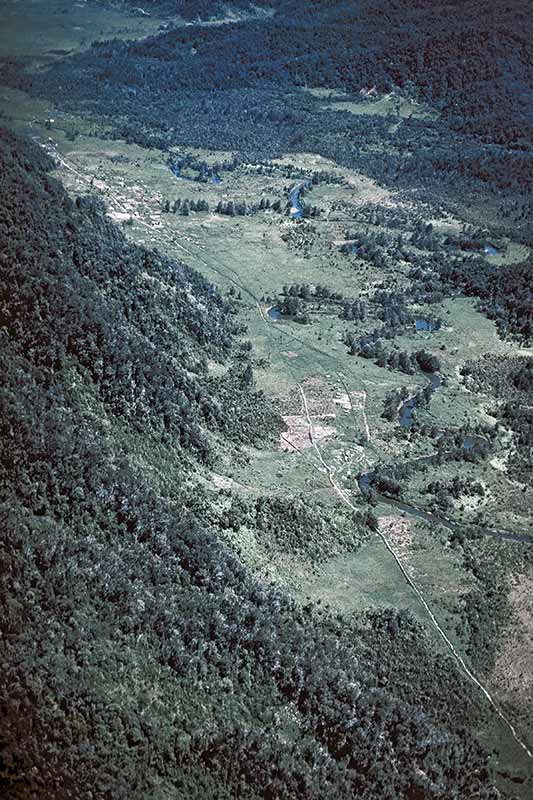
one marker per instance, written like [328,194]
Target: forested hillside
[139,657]
[197,9]
[84,303]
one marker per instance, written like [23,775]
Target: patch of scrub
[397,531]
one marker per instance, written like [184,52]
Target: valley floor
[331,401]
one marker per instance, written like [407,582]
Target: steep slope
[136,328]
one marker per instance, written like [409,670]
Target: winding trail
[365,420]
[363,395]
[467,671]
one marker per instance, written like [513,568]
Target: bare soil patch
[298,435]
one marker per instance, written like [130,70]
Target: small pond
[274,314]
[429,325]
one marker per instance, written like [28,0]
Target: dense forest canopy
[197,9]
[351,46]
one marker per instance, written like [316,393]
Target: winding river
[406,420]
[294,199]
